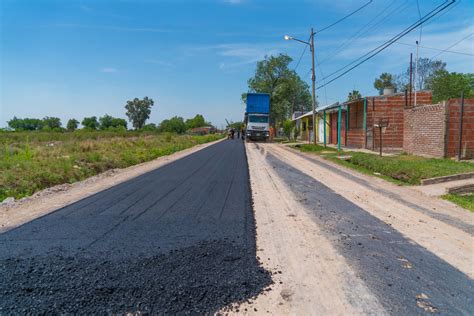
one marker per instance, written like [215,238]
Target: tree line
[137,110]
[432,75]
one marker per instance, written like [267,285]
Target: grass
[465,200]
[32,161]
[401,169]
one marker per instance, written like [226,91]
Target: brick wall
[467,148]
[424,130]
[355,134]
[390,107]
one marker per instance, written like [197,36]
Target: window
[258,119]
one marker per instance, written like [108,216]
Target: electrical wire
[437,49]
[451,46]
[388,43]
[394,38]
[366,28]
[301,56]
[343,18]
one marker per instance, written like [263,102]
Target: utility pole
[416,69]
[313,79]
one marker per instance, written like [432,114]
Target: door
[334,128]
[321,130]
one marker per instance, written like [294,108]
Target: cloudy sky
[80,58]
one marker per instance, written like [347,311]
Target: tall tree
[90,122]
[288,92]
[52,122]
[354,95]
[426,70]
[26,124]
[447,85]
[138,111]
[197,121]
[108,121]
[173,125]
[72,125]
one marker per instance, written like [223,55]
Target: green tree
[384,81]
[288,92]
[90,122]
[288,126]
[426,70]
[26,124]
[151,127]
[447,85]
[138,111]
[108,121]
[354,95]
[72,125]
[197,121]
[52,122]
[175,124]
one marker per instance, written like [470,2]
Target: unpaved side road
[347,247]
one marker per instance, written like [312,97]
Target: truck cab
[257,126]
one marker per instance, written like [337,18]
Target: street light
[313,77]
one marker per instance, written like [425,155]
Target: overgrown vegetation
[464,200]
[32,161]
[405,169]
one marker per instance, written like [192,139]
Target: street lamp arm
[298,40]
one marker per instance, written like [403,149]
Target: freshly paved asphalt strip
[178,239]
[406,278]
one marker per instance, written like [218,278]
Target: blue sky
[81,58]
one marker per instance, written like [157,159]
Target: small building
[358,123]
[304,123]
[205,130]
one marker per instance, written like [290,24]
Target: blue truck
[257,116]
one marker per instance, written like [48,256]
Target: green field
[32,161]
[401,169]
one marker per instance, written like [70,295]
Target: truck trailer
[257,116]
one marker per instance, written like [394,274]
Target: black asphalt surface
[406,278]
[179,239]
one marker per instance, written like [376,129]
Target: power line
[445,50]
[394,38]
[388,43]
[301,56]
[366,28]
[437,49]
[343,18]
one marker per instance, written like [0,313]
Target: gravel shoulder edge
[41,203]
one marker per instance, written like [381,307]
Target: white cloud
[114,28]
[159,62]
[240,54]
[233,1]
[109,70]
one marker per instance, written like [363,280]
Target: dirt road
[350,244]
[184,238]
[178,239]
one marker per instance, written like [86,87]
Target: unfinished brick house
[435,130]
[355,122]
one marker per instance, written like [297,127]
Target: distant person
[238,133]
[242,133]
[232,132]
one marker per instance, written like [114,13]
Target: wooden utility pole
[313,79]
